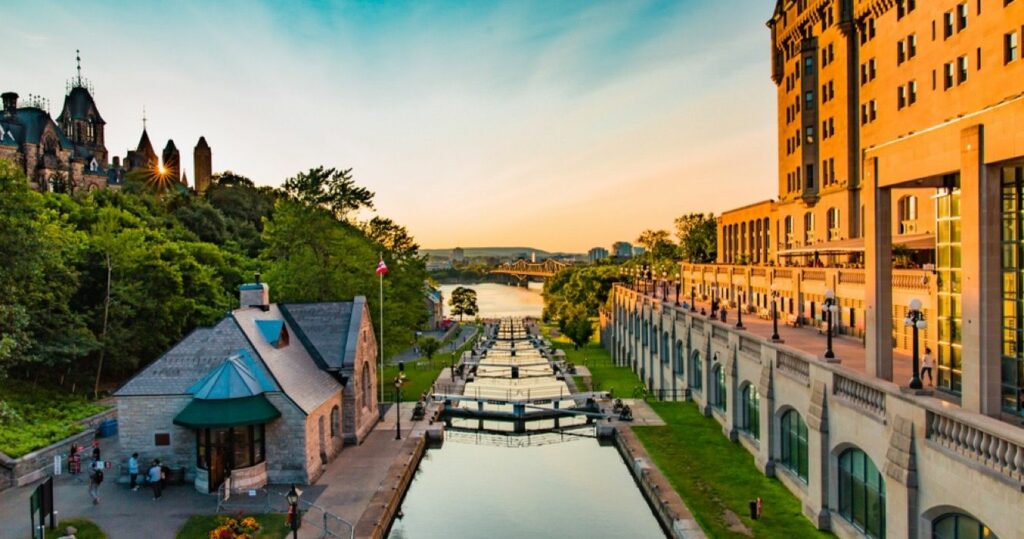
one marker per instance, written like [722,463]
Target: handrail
[994,451]
[794,365]
[861,395]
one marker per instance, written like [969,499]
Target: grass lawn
[38,417]
[86,529]
[272,526]
[604,375]
[714,475]
[421,373]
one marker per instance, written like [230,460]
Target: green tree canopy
[698,237]
[463,302]
[329,188]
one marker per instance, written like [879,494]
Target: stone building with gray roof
[271,393]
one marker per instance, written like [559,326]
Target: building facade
[596,254]
[622,249]
[270,393]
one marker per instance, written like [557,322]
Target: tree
[658,244]
[579,329]
[429,346]
[332,189]
[698,237]
[463,302]
[578,288]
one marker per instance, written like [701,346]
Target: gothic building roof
[145,147]
[202,143]
[27,127]
[79,105]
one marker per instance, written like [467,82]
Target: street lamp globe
[922,324]
[915,304]
[830,294]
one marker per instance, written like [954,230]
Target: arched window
[654,338]
[696,372]
[679,357]
[861,493]
[750,411]
[335,422]
[808,228]
[832,216]
[960,526]
[643,334]
[789,233]
[793,433]
[906,208]
[718,395]
[664,349]
[367,385]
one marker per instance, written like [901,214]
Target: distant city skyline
[527,122]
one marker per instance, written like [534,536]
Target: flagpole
[380,277]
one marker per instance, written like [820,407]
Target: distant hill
[500,252]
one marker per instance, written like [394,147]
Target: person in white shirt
[926,366]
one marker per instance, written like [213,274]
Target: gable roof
[292,366]
[328,330]
[195,356]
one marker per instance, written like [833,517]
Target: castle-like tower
[172,161]
[203,167]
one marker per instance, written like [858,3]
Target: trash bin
[107,429]
[753,509]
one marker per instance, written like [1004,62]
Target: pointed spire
[78,61]
[143,118]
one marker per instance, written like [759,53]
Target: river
[499,300]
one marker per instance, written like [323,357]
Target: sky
[554,124]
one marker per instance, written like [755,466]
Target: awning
[914,242]
[218,413]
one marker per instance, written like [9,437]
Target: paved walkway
[850,352]
[120,513]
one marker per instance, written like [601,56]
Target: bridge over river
[523,270]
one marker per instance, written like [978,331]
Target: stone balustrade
[794,365]
[861,395]
[996,452]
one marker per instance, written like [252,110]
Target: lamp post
[915,319]
[664,285]
[714,301]
[830,307]
[679,288]
[775,311]
[739,310]
[293,511]
[693,299]
[399,380]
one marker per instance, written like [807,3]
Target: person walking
[133,472]
[926,366]
[156,478]
[95,479]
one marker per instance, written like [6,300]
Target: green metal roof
[219,413]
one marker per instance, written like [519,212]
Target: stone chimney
[255,294]
[10,102]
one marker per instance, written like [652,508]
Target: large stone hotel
[901,178]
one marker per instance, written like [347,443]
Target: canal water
[496,486]
[499,300]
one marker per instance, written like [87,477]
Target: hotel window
[872,110]
[808,65]
[861,492]
[1013,290]
[1010,47]
[901,52]
[912,92]
[750,411]
[793,435]
[961,71]
[901,97]
[947,265]
[947,25]
[833,223]
[831,90]
[831,127]
[911,46]
[810,177]
[824,94]
[948,76]
[808,227]
[809,100]
[906,209]
[824,129]
[961,17]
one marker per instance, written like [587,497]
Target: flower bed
[258,526]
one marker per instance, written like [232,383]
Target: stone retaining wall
[39,463]
[664,501]
[376,519]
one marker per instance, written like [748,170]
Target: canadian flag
[382,268]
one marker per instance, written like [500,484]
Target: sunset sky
[560,125]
